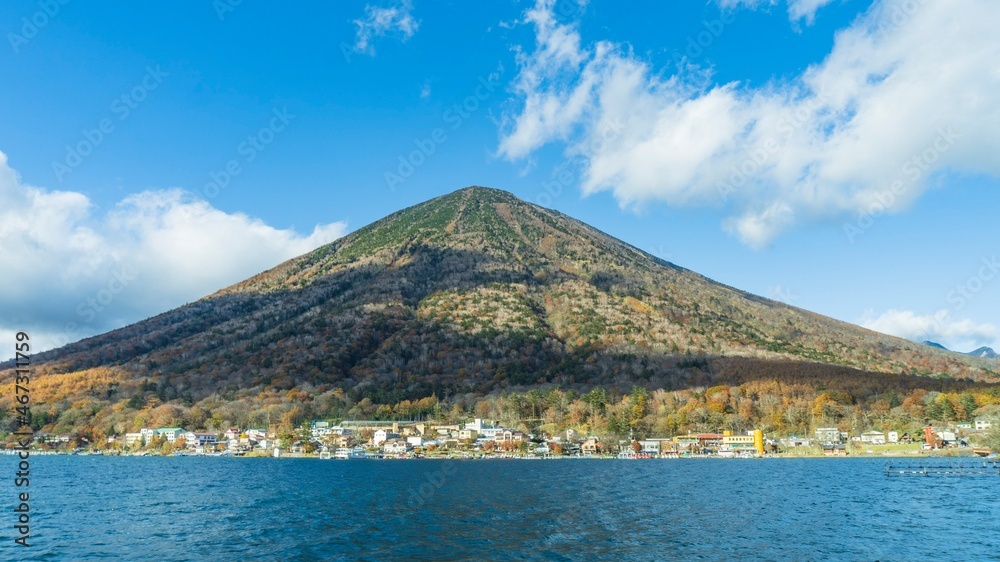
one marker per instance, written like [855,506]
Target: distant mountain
[984,351]
[469,293]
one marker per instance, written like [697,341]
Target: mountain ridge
[984,351]
[468,294]
[490,236]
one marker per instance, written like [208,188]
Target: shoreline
[887,456]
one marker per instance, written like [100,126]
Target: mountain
[986,352]
[469,293]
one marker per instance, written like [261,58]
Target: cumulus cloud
[905,95]
[380,22]
[940,327]
[72,271]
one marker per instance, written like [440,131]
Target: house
[983,424]
[382,436]
[543,449]
[828,435]
[395,446]
[340,441]
[650,446]
[590,446]
[133,438]
[194,439]
[892,437]
[946,438]
[232,433]
[205,439]
[257,434]
[466,434]
[483,429]
[835,450]
[967,425]
[416,441]
[319,430]
[169,433]
[873,437]
[654,446]
[794,441]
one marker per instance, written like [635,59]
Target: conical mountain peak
[478,289]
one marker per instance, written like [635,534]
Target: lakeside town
[479,438]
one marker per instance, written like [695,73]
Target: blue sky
[836,155]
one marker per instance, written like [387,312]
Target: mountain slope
[473,291]
[986,352]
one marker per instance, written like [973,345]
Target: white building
[983,424]
[382,436]
[257,434]
[484,429]
[650,446]
[947,437]
[873,437]
[169,433]
[828,435]
[396,446]
[200,439]
[893,436]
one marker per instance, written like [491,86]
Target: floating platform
[939,468]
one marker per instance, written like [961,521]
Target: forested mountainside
[464,295]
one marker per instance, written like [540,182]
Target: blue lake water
[86,508]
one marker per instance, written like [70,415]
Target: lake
[198,508]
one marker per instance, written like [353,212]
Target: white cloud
[940,327]
[902,97]
[797,9]
[67,264]
[379,22]
[805,9]
[752,4]
[425,90]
